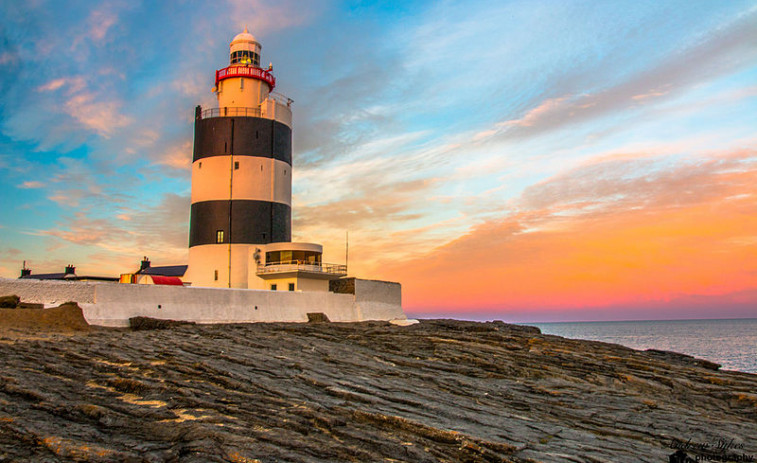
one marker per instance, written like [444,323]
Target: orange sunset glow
[687,234]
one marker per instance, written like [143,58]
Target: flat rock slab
[436,391]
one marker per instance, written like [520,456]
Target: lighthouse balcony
[230,112]
[276,107]
[299,268]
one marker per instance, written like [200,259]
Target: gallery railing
[228,112]
[295,266]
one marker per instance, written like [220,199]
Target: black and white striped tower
[241,171]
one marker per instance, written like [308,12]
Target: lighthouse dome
[245,49]
[244,37]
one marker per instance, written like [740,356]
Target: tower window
[199,166]
[215,277]
[236,165]
[247,57]
[273,287]
[241,84]
[219,236]
[291,286]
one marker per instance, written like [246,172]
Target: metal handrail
[230,112]
[275,267]
[281,98]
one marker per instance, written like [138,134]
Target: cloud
[267,16]
[32,184]
[101,116]
[87,100]
[650,94]
[159,230]
[178,157]
[52,85]
[100,22]
[725,50]
[83,230]
[625,233]
[7,58]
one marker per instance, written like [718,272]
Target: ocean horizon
[731,342]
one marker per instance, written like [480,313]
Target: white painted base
[112,304]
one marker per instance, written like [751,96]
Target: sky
[515,160]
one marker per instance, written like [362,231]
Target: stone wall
[342,286]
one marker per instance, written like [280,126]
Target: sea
[731,343]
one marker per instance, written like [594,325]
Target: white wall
[115,304]
[233,93]
[49,292]
[272,109]
[258,178]
[112,304]
[205,259]
[378,300]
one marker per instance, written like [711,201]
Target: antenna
[346,248]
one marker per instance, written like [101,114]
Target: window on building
[219,236]
[273,287]
[199,166]
[291,286]
[247,57]
[216,275]
[292,257]
[236,165]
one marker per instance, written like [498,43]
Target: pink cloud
[101,116]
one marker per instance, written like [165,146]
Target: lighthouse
[241,214]
[243,265]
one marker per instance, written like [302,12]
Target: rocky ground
[437,391]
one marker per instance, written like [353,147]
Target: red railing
[246,71]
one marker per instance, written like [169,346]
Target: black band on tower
[252,136]
[252,222]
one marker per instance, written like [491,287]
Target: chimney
[145,264]
[70,270]
[25,272]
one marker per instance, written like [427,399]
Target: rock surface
[67,317]
[437,391]
[9,302]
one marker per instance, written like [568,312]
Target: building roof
[49,276]
[244,37]
[65,276]
[166,271]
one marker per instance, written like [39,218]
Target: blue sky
[416,127]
